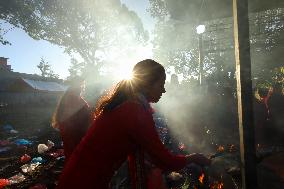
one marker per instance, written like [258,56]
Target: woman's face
[154,91]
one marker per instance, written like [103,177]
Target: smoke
[202,117]
[195,117]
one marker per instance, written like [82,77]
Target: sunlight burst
[124,72]
[122,67]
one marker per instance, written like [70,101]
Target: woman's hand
[198,159]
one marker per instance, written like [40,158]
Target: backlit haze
[201,114]
[25,53]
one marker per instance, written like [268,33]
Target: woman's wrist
[198,159]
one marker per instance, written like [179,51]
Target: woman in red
[124,127]
[72,116]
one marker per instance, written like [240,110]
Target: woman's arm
[141,129]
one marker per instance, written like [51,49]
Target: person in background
[124,128]
[276,112]
[260,110]
[72,116]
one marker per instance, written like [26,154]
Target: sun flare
[124,72]
[123,66]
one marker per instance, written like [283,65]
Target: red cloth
[155,179]
[111,138]
[76,121]
[136,165]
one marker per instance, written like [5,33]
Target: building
[27,101]
[20,89]
[3,65]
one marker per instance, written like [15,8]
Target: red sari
[111,138]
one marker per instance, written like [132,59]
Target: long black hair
[144,74]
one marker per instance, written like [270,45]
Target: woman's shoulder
[136,105]
[133,103]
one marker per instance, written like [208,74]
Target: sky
[25,53]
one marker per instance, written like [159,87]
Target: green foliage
[264,84]
[173,46]
[2,33]
[176,42]
[158,9]
[75,69]
[278,75]
[85,28]
[4,42]
[45,69]
[53,75]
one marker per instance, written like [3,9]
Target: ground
[14,145]
[29,127]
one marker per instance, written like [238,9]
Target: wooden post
[244,91]
[200,48]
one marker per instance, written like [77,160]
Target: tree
[75,69]
[2,33]
[46,70]
[175,39]
[44,67]
[52,75]
[86,28]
